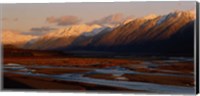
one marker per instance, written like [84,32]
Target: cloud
[15,19]
[4,19]
[8,19]
[40,30]
[111,19]
[51,19]
[64,20]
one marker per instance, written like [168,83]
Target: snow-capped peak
[188,14]
[73,30]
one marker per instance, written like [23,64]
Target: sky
[49,16]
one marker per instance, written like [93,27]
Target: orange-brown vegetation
[168,80]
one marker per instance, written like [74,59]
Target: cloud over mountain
[111,19]
[39,30]
[64,20]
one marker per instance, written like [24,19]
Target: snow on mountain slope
[94,32]
[127,21]
[63,37]
[73,30]
[85,40]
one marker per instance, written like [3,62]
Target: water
[158,88]
[117,71]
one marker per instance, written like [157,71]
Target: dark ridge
[180,44]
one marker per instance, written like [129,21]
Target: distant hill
[10,37]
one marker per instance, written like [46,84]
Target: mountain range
[172,33]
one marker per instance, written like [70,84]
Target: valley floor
[99,74]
